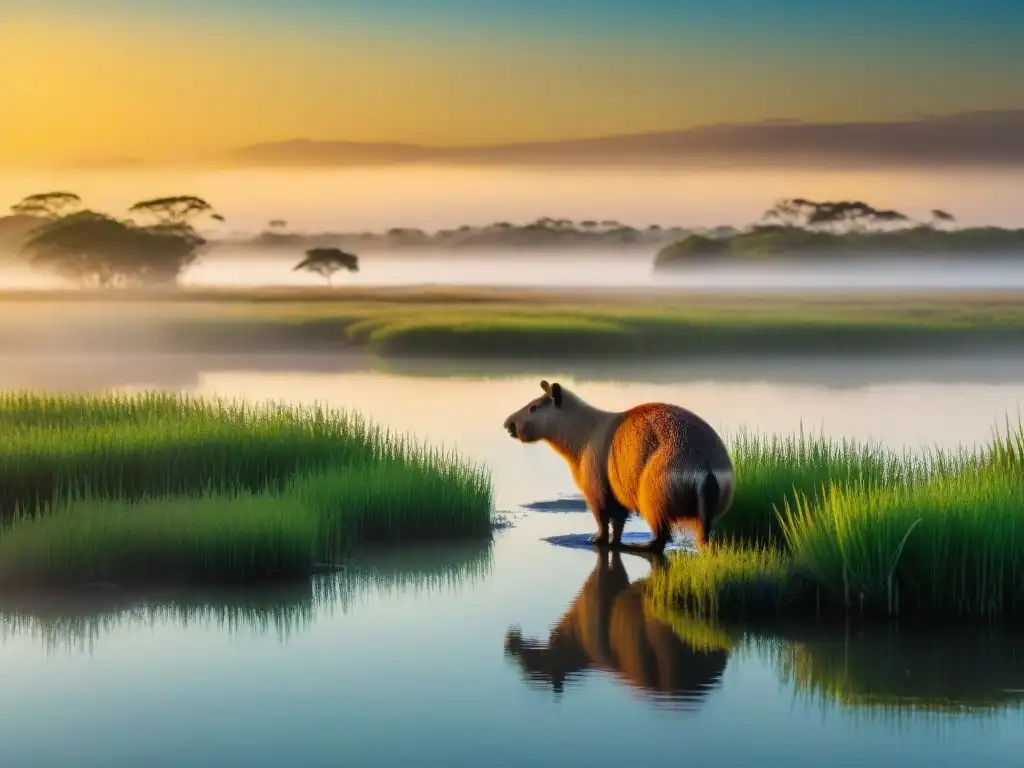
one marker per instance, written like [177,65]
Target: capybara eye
[533,408]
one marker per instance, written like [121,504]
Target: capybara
[609,628]
[658,460]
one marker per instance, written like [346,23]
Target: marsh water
[527,650]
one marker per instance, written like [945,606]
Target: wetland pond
[444,655]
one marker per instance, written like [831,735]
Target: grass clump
[724,580]
[173,488]
[770,470]
[131,447]
[432,498]
[951,546]
[490,334]
[204,539]
[882,536]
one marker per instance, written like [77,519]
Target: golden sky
[101,85]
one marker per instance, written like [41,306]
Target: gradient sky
[146,78]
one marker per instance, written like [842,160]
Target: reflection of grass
[173,488]
[703,635]
[492,322]
[77,619]
[882,672]
[975,672]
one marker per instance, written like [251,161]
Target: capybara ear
[556,394]
[545,386]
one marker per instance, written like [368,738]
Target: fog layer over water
[435,197]
[432,197]
[624,269]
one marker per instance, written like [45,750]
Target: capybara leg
[601,537]
[700,533]
[618,523]
[662,534]
[696,527]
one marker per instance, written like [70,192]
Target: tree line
[150,247]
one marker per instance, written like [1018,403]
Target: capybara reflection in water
[658,460]
[607,627]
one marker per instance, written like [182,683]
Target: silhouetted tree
[92,248]
[176,210]
[792,212]
[48,205]
[277,224]
[940,217]
[851,215]
[326,261]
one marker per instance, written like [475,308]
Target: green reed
[175,488]
[723,579]
[771,470]
[938,536]
[953,545]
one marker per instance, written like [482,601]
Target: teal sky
[465,71]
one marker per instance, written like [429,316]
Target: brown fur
[607,627]
[658,460]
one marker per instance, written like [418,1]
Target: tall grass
[205,539]
[723,579]
[772,470]
[937,536]
[177,488]
[953,545]
[129,447]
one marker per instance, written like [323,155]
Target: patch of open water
[445,655]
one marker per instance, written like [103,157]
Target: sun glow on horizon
[105,83]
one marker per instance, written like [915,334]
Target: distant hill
[972,138]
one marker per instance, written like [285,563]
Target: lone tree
[48,205]
[92,248]
[277,224]
[326,261]
[941,217]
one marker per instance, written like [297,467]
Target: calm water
[444,656]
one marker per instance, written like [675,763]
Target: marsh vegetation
[180,489]
[499,324]
[827,530]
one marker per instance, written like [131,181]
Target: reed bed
[176,488]
[723,580]
[953,546]
[773,469]
[933,537]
